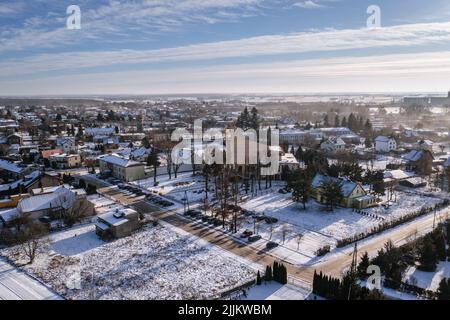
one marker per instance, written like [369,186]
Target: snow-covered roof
[10,166]
[397,174]
[347,185]
[120,161]
[98,131]
[383,139]
[413,155]
[116,217]
[9,214]
[61,197]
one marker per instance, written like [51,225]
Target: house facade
[385,144]
[353,194]
[121,168]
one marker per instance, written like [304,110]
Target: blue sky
[223,46]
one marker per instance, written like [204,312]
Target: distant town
[94,204]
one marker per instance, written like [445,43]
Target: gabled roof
[347,185]
[416,155]
[383,139]
[120,161]
[61,197]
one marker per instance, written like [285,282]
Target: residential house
[425,145]
[353,194]
[65,161]
[333,144]
[419,161]
[49,204]
[13,171]
[117,224]
[122,168]
[68,144]
[385,144]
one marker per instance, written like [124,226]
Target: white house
[122,168]
[68,145]
[385,144]
[333,144]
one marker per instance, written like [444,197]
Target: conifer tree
[258,278]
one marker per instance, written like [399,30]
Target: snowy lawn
[306,231]
[175,188]
[273,291]
[428,280]
[154,263]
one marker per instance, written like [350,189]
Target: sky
[223,46]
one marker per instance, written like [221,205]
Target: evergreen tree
[337,121]
[258,278]
[363,265]
[268,276]
[153,160]
[302,190]
[428,257]
[332,192]
[441,248]
[443,292]
[254,119]
[299,154]
[326,122]
[344,122]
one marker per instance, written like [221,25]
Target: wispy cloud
[308,4]
[389,73]
[10,8]
[304,42]
[118,18]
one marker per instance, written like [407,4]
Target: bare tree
[31,239]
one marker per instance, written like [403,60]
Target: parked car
[248,213]
[254,238]
[270,220]
[246,234]
[271,245]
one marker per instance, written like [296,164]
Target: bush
[323,251]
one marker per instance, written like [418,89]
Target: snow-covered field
[428,280]
[175,188]
[273,291]
[307,231]
[154,263]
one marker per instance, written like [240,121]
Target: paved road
[334,265]
[16,285]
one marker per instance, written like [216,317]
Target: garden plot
[428,280]
[305,232]
[176,189]
[155,263]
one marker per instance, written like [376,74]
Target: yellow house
[12,201]
[353,194]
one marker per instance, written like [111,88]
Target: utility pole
[353,269]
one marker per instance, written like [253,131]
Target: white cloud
[118,18]
[388,73]
[304,42]
[308,5]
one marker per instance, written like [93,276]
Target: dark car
[270,220]
[248,213]
[254,238]
[271,245]
[246,234]
[194,213]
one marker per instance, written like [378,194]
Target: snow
[428,280]
[316,226]
[155,263]
[274,291]
[175,188]
[16,285]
